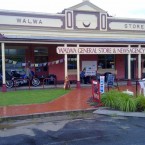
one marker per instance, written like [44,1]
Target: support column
[65,64]
[129,69]
[78,69]
[139,66]
[4,89]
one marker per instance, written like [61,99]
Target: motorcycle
[16,79]
[9,81]
[21,79]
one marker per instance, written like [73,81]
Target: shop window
[15,58]
[106,61]
[72,62]
[41,57]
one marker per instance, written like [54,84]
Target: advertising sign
[102,84]
[96,90]
[110,80]
[90,66]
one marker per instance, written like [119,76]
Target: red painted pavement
[75,100]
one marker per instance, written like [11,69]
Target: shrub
[127,103]
[119,100]
[110,99]
[140,103]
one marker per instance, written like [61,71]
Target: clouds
[122,8]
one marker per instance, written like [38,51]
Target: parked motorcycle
[20,79]
[15,78]
[9,80]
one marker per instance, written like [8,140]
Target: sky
[116,8]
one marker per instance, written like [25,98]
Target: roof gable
[86,6]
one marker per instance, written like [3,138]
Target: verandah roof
[71,39]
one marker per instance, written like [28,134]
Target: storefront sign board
[100,50]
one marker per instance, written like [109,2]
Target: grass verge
[30,96]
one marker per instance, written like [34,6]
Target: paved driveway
[64,130]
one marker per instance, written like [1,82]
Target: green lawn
[30,96]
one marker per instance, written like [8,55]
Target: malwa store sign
[100,50]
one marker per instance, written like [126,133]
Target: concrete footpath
[110,112]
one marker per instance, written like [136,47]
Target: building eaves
[71,39]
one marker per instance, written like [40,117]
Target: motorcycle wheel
[9,84]
[35,82]
[17,83]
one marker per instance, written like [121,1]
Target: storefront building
[64,43]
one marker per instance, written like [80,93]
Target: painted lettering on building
[127,26]
[100,50]
[28,21]
[31,21]
[67,50]
[134,26]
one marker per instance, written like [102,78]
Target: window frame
[72,61]
[107,63]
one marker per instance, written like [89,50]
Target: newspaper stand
[96,91]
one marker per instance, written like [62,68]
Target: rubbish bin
[106,75]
